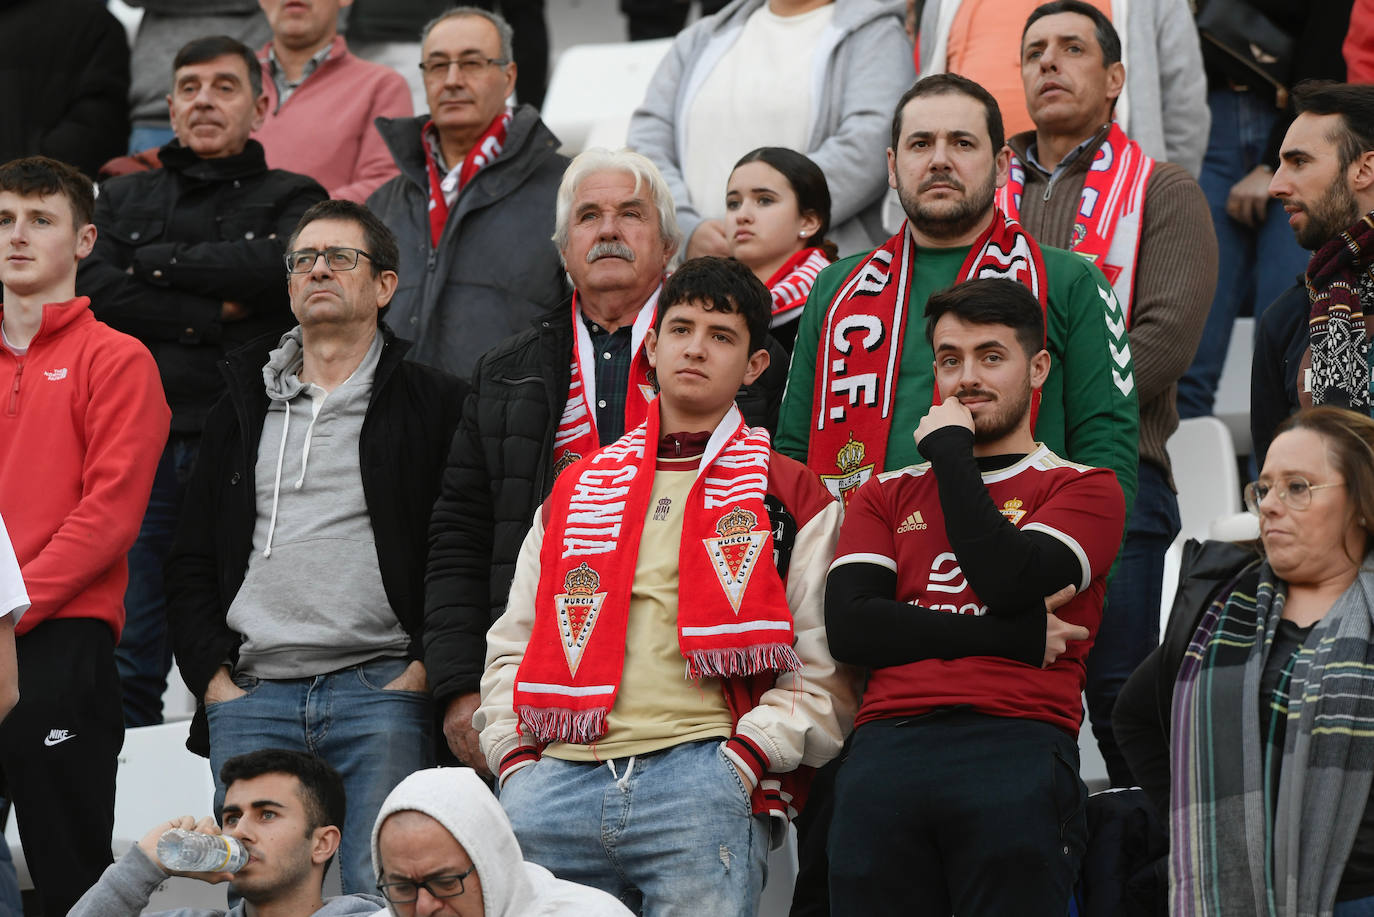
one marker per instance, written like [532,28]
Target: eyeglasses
[408,891]
[1294,491]
[468,66]
[303,260]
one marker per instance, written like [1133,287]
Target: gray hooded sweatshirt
[458,799]
[126,885]
[312,600]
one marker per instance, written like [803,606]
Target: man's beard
[946,220]
[993,425]
[1332,213]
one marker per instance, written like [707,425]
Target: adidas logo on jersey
[913,523]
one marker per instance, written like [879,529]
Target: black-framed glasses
[1295,491]
[336,258]
[407,891]
[468,66]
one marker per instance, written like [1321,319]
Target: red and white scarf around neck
[861,347]
[1111,210]
[483,153]
[733,618]
[792,283]
[576,435]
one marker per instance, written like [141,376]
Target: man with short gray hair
[476,177]
[576,381]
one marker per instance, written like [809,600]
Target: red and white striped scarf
[483,153]
[861,347]
[791,284]
[1111,210]
[733,618]
[576,436]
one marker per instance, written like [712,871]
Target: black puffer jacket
[409,422]
[175,244]
[499,471]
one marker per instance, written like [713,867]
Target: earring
[801,235]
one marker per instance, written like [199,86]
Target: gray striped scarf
[1231,852]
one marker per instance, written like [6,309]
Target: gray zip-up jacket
[126,885]
[862,67]
[495,269]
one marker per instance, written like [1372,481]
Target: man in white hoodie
[442,845]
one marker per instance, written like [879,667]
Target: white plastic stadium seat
[1232,406]
[595,89]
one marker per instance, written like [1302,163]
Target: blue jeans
[373,738]
[673,830]
[144,654]
[1359,907]
[1255,265]
[147,138]
[1130,615]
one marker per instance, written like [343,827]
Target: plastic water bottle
[190,851]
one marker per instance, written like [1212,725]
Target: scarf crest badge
[578,607]
[735,551]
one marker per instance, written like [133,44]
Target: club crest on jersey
[568,459]
[1013,511]
[578,608]
[852,471]
[735,552]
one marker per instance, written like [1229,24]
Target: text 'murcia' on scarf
[1111,209]
[443,187]
[1340,283]
[1258,829]
[861,347]
[576,436]
[792,283]
[733,618]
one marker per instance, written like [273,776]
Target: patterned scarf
[1106,228]
[861,347]
[791,284]
[1232,853]
[443,191]
[1340,281]
[576,435]
[733,617]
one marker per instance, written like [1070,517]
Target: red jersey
[895,521]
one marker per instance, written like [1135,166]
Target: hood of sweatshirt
[458,799]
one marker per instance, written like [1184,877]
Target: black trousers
[648,19]
[957,812]
[59,749]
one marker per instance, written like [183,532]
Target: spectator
[476,188]
[649,19]
[586,668]
[285,807]
[1259,258]
[810,75]
[777,213]
[1162,105]
[64,75]
[1078,182]
[14,601]
[573,383]
[165,28]
[1311,347]
[78,447]
[442,840]
[1358,48]
[387,32]
[940,586]
[297,572]
[846,414]
[530,46]
[322,101]
[189,261]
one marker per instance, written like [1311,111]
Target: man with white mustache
[576,381]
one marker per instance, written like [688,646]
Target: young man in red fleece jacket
[82,424]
